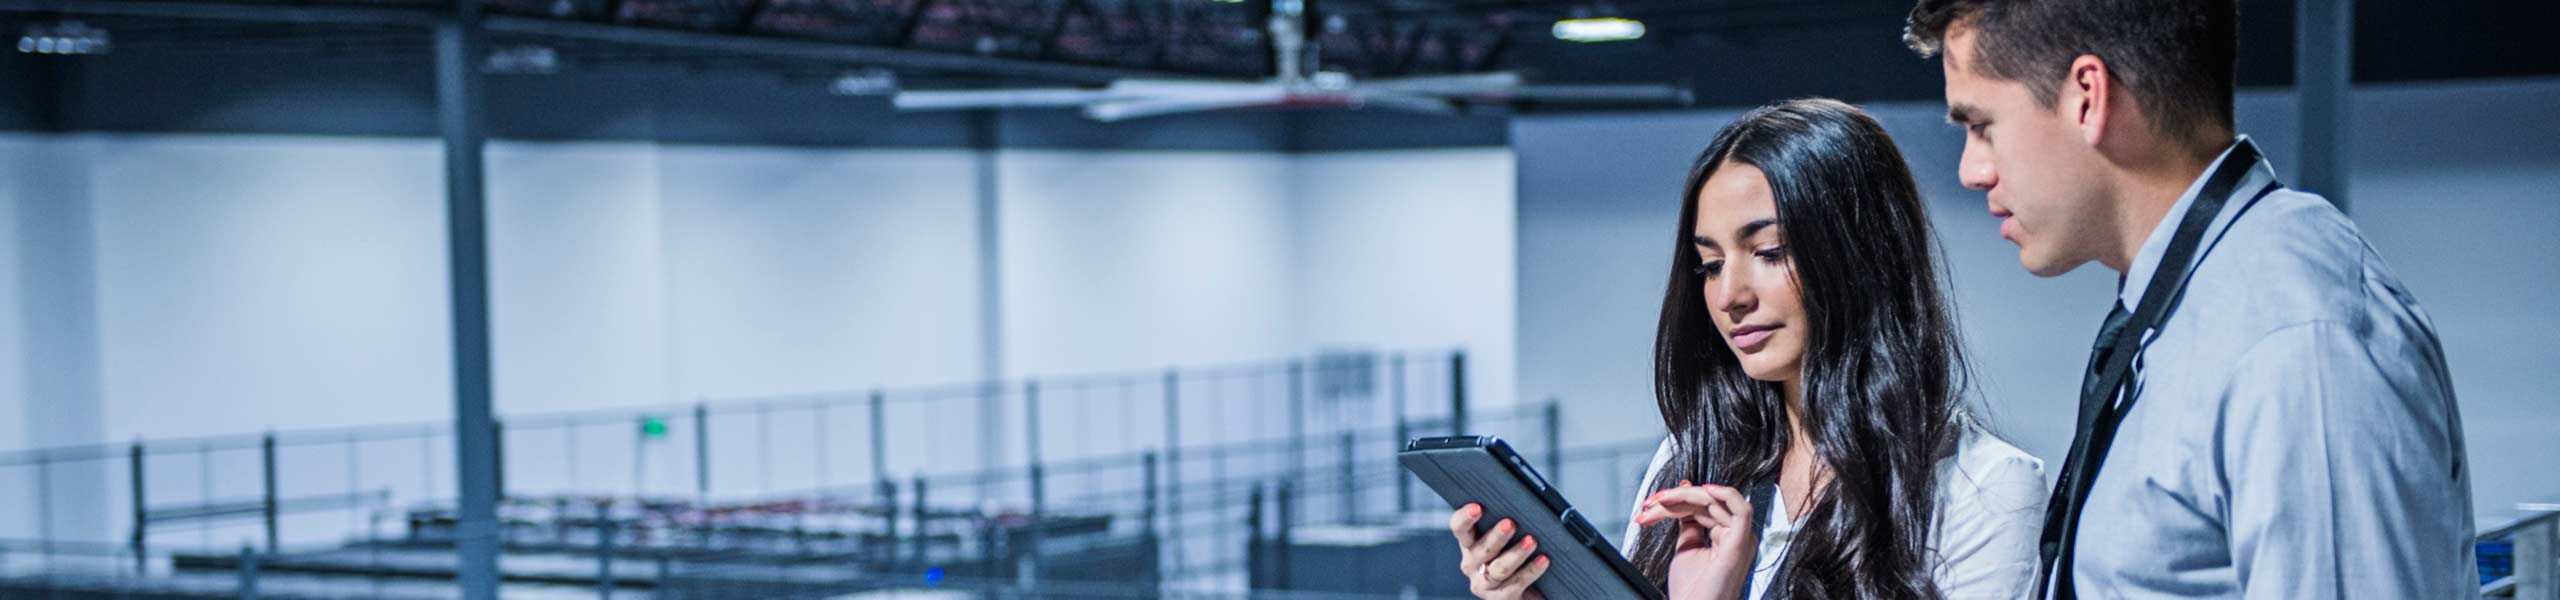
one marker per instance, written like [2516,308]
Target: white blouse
[1991,498]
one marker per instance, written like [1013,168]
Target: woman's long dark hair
[1882,370]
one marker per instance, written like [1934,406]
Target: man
[2267,412]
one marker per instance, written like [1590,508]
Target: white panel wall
[254,282]
[1411,250]
[577,320]
[793,270]
[1144,260]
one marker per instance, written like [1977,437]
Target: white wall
[2461,203]
[812,270]
[1411,250]
[797,270]
[578,317]
[1144,260]
[248,283]
[50,393]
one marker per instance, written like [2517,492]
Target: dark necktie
[2090,413]
[2104,348]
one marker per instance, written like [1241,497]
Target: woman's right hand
[1712,557]
[1494,572]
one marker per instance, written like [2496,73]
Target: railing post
[888,491]
[248,573]
[498,460]
[1031,448]
[141,516]
[44,506]
[1297,420]
[2534,561]
[701,451]
[1404,431]
[1287,515]
[1555,440]
[1350,478]
[1173,460]
[920,516]
[879,435]
[267,462]
[1256,552]
[1148,523]
[1458,393]
[605,532]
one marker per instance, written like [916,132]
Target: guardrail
[2533,566]
[298,488]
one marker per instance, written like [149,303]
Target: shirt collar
[2137,277]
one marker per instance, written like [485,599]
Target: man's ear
[2087,94]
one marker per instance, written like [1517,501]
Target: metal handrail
[718,406]
[2509,528]
[2533,565]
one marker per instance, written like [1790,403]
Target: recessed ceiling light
[1599,29]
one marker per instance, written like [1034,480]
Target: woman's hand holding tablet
[1493,572]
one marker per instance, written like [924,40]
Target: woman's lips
[1749,338]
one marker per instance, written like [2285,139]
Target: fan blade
[1468,84]
[1401,102]
[1614,93]
[1133,109]
[1012,98]
[1193,88]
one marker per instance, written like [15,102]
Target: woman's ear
[2088,96]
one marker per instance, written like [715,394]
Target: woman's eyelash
[1772,254]
[1707,269]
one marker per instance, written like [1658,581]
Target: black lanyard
[2099,417]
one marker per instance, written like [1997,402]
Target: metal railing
[2520,558]
[682,550]
[1201,436]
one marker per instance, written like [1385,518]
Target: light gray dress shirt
[2294,433]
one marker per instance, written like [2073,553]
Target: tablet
[1483,470]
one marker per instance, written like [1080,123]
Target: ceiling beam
[816,51]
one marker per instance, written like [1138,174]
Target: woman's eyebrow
[1755,226]
[1747,229]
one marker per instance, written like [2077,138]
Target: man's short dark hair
[2176,56]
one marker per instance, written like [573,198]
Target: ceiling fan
[1295,86]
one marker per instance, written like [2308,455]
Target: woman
[1806,357]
